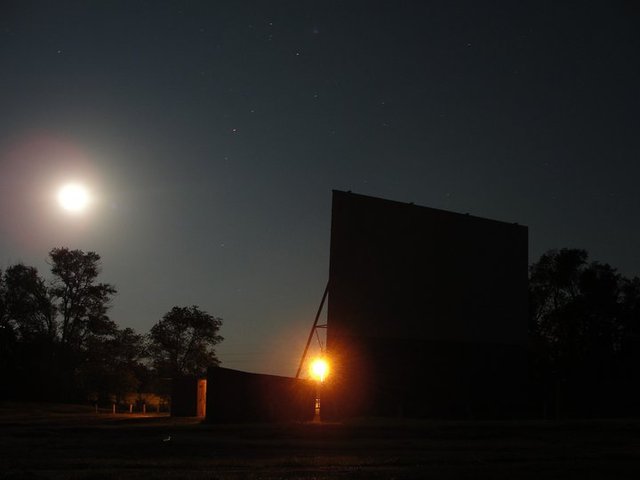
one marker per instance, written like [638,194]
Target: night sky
[212,133]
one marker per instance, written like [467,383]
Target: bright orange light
[319,369]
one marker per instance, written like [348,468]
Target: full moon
[73,197]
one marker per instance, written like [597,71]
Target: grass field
[43,441]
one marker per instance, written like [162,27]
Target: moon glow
[73,198]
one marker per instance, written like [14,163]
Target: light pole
[319,369]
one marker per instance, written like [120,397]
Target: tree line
[585,335]
[58,343]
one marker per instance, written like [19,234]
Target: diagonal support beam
[313,329]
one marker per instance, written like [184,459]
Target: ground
[38,442]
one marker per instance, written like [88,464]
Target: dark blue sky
[212,133]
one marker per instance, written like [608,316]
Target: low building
[188,397]
[241,397]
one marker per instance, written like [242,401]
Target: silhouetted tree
[7,330]
[113,365]
[28,331]
[57,342]
[27,304]
[584,318]
[576,306]
[81,302]
[183,342]
[630,325]
[8,342]
[630,298]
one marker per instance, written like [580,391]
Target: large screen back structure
[427,310]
